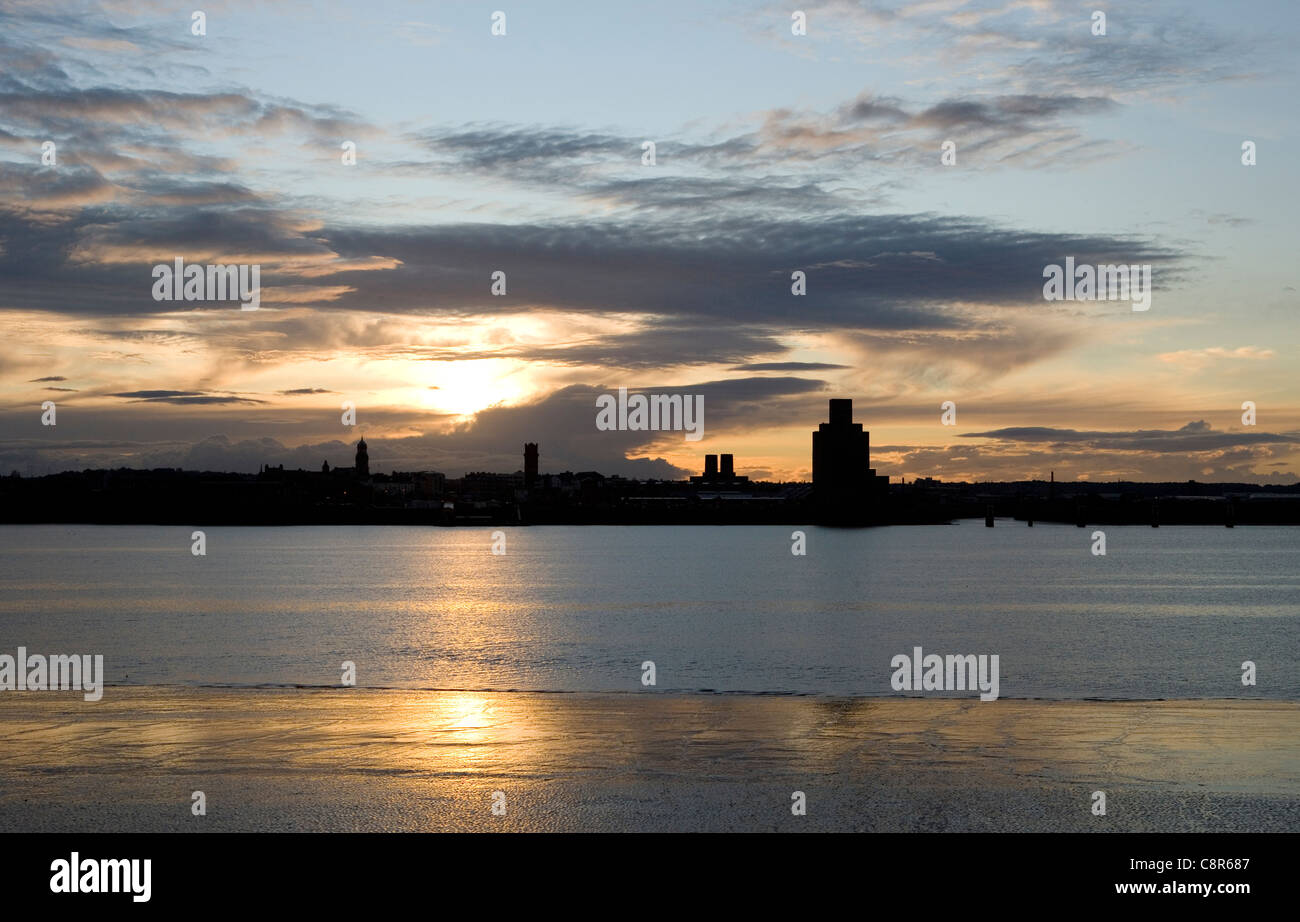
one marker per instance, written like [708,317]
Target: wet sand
[391,760]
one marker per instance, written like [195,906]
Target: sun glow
[464,388]
[466,712]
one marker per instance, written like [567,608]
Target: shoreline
[513,521]
[321,759]
[641,692]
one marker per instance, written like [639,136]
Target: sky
[774,153]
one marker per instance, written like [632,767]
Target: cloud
[1196,436]
[867,272]
[1039,46]
[788,366]
[1019,462]
[787,160]
[659,345]
[1199,358]
[184,398]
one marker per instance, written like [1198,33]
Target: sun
[465,388]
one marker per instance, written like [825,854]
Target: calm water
[1169,612]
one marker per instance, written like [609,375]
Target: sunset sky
[774,153]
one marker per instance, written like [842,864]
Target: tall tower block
[530,465]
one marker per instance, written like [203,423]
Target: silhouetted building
[430,484]
[362,467]
[325,467]
[530,465]
[485,485]
[841,451]
[713,475]
[841,455]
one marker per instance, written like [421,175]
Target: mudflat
[352,759]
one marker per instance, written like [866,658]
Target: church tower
[363,461]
